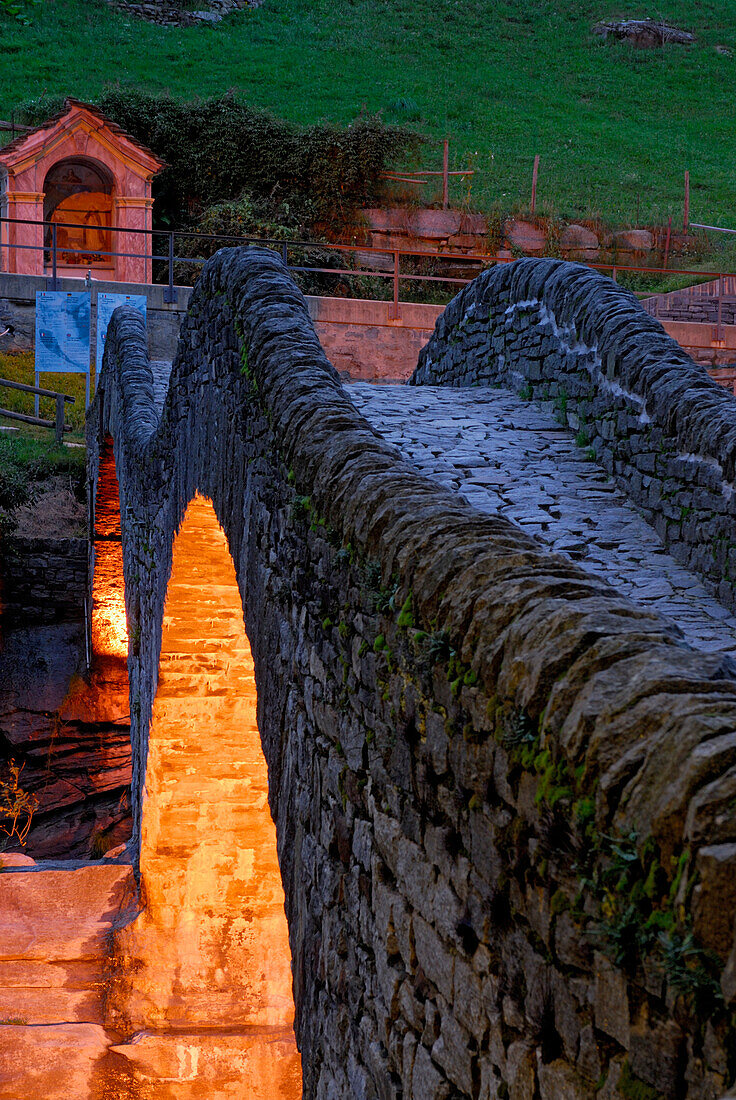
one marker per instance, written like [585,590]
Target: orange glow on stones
[212,944]
[109,622]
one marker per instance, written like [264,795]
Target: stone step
[61,1062]
[55,936]
[84,1062]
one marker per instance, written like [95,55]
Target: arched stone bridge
[503,788]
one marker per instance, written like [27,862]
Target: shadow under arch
[210,950]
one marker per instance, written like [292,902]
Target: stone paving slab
[508,456]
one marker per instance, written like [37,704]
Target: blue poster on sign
[106,306]
[62,331]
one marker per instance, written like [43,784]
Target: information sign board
[62,334]
[106,306]
[62,331]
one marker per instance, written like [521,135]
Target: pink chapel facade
[82,174]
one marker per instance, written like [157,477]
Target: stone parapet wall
[654,419]
[501,791]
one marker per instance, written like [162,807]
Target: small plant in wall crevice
[17,807]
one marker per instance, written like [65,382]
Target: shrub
[24,464]
[220,148]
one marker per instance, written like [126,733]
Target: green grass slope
[615,127]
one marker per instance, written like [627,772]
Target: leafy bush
[220,149]
[254,219]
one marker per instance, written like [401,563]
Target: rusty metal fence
[163,248]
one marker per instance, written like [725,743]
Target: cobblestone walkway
[507,456]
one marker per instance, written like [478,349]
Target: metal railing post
[396,286]
[720,299]
[170,293]
[53,284]
[285,254]
[535,172]
[686,211]
[445,174]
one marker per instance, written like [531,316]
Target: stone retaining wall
[652,417]
[501,791]
[43,580]
[704,310]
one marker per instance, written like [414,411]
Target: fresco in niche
[78,198]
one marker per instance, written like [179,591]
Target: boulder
[434,224]
[578,243]
[469,242]
[644,33]
[374,261]
[525,236]
[15,859]
[392,219]
[390,240]
[633,240]
[474,223]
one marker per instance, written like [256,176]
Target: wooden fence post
[535,170]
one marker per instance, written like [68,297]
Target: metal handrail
[396,274]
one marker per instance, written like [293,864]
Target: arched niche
[78,199]
[79,167]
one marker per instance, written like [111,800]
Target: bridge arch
[210,949]
[427,676]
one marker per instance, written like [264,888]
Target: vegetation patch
[593,111]
[232,167]
[17,806]
[26,464]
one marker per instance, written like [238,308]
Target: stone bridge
[478,630]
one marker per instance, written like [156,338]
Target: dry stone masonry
[507,455]
[652,417]
[503,792]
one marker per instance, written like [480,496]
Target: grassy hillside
[504,79]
